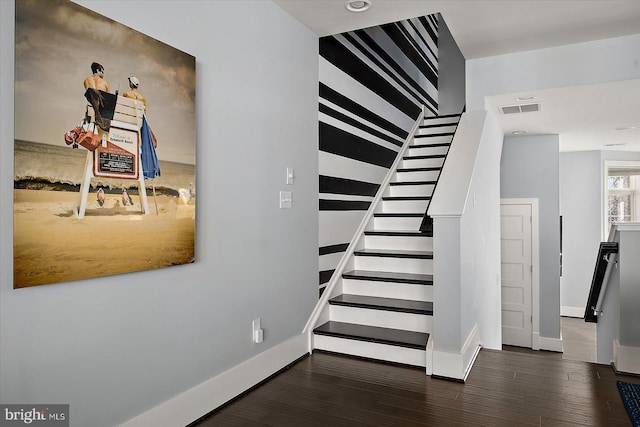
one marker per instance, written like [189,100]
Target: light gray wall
[581,210]
[582,207]
[628,256]
[529,168]
[451,72]
[114,347]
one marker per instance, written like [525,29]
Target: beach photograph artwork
[139,185]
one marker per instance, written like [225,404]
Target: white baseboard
[457,365]
[626,359]
[572,311]
[546,343]
[205,397]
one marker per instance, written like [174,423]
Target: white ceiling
[585,117]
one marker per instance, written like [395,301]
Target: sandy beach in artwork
[51,245]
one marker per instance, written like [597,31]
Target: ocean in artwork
[58,168]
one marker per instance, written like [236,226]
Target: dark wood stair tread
[387,276]
[434,135]
[391,253]
[442,116]
[429,169]
[397,215]
[396,337]
[435,144]
[398,183]
[429,156]
[401,198]
[398,233]
[385,304]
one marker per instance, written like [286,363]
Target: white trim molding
[626,359]
[546,343]
[205,397]
[458,365]
[567,311]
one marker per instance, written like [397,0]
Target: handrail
[607,254]
[427,221]
[337,274]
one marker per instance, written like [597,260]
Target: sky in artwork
[56,42]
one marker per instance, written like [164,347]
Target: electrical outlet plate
[286,200]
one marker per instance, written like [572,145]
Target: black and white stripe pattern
[372,85]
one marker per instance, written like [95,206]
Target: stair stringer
[321,312]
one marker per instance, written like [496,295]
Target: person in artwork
[126,198]
[134,93]
[96,80]
[100,197]
[99,97]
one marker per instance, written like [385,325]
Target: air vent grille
[524,108]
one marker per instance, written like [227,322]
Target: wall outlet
[286,200]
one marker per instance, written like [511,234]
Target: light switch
[258,332]
[290,176]
[286,200]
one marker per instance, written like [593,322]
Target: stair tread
[394,253]
[397,215]
[438,125]
[391,198]
[442,116]
[435,144]
[426,169]
[386,304]
[432,135]
[426,156]
[387,276]
[416,233]
[396,337]
[397,183]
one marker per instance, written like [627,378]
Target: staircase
[382,304]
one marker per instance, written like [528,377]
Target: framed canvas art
[105,147]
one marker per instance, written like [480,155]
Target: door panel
[516,239]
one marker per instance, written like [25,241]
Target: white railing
[337,274]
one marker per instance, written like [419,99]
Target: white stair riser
[390,353]
[431,139]
[404,206]
[435,130]
[411,190]
[397,223]
[388,289]
[422,163]
[427,151]
[417,176]
[439,120]
[396,265]
[382,318]
[410,243]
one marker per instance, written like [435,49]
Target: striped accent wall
[372,85]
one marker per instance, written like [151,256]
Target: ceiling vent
[524,108]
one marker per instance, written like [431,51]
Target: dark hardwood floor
[513,387]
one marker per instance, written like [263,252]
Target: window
[621,204]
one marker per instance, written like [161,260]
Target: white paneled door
[516,242]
